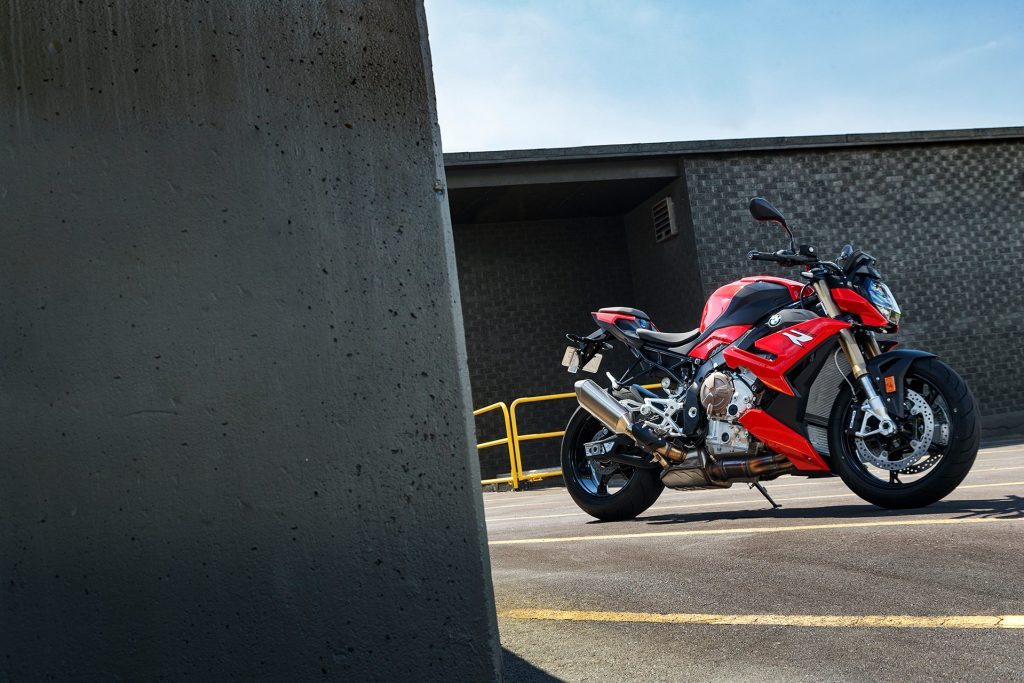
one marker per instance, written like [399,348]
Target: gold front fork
[873,348]
[853,353]
[858,364]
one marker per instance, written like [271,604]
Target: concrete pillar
[234,415]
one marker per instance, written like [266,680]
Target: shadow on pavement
[1005,508]
[518,669]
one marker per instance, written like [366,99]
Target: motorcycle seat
[668,338]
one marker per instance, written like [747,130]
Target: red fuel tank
[719,300]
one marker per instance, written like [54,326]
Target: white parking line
[733,501]
[760,530]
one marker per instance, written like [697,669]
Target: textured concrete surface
[235,428]
[966,564]
[665,274]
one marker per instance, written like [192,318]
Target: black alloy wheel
[933,449]
[604,489]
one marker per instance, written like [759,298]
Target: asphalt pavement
[717,586]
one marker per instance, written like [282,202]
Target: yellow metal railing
[517,438]
[513,477]
[513,438]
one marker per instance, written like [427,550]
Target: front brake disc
[923,425]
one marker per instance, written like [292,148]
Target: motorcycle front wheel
[932,451]
[605,490]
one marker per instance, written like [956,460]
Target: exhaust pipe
[601,405]
[722,473]
[615,417]
[751,469]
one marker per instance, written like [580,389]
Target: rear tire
[947,473]
[638,493]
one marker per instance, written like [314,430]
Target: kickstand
[757,485]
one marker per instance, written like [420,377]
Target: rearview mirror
[763,210]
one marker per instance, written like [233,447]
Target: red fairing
[612,318]
[852,302]
[723,335]
[782,439]
[719,300]
[788,346]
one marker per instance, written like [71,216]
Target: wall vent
[664,215]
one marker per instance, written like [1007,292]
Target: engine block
[725,397]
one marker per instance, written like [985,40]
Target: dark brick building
[543,237]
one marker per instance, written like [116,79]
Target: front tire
[637,488]
[950,400]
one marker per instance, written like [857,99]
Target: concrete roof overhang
[608,180]
[543,191]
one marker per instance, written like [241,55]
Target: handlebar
[783,258]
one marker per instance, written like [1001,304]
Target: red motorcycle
[781,377]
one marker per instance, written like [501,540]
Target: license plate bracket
[573,358]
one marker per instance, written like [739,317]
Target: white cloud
[967,54]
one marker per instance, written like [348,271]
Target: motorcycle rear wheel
[625,491]
[951,399]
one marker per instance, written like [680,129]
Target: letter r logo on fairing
[798,337]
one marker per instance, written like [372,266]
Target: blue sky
[560,73]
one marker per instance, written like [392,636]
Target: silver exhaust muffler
[617,418]
[601,405]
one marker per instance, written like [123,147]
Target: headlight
[884,301]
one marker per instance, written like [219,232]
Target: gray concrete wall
[666,275]
[945,220]
[236,436]
[525,285]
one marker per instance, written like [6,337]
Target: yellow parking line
[762,530]
[814,620]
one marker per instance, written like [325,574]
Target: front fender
[894,364]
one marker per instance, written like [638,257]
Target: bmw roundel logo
[775,320]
